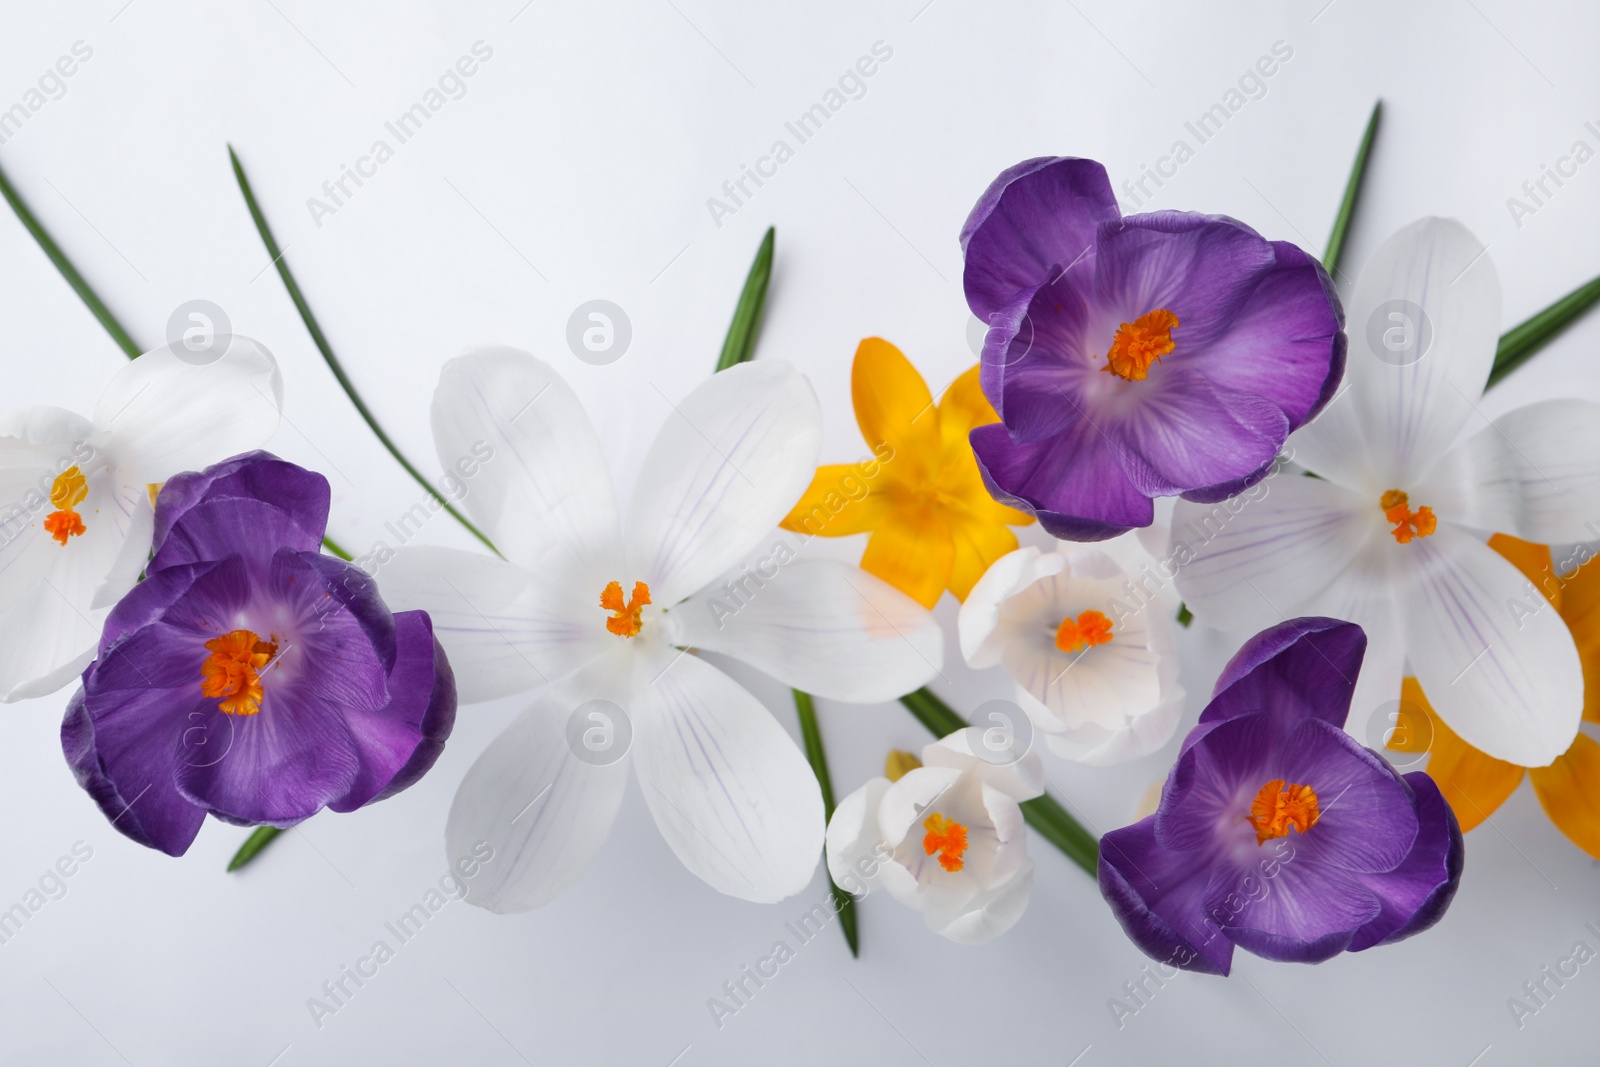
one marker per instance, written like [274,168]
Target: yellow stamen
[1140,343]
[624,621]
[947,838]
[1281,805]
[1089,629]
[233,671]
[1408,524]
[69,490]
[898,764]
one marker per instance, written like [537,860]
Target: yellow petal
[962,409]
[1534,563]
[841,500]
[912,551]
[894,408]
[1569,790]
[977,545]
[1473,784]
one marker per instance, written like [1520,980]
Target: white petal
[1507,680]
[731,460]
[1368,592]
[1095,746]
[992,913]
[855,845]
[729,789]
[823,626]
[163,414]
[967,750]
[978,625]
[540,487]
[44,437]
[505,629]
[1396,414]
[543,811]
[1534,473]
[1258,556]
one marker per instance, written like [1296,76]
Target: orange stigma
[69,490]
[947,838]
[1281,805]
[1140,343]
[1407,523]
[624,621]
[233,671]
[1089,629]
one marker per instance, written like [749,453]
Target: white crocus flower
[1412,477]
[1086,632]
[75,495]
[598,606]
[947,838]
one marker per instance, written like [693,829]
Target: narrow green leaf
[1518,344]
[1045,814]
[259,838]
[844,903]
[321,341]
[1352,190]
[68,271]
[741,341]
[1185,616]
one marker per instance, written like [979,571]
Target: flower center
[1281,805]
[1140,343]
[1407,523]
[233,671]
[1089,629]
[947,838]
[68,491]
[624,621]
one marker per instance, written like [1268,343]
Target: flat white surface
[577,166]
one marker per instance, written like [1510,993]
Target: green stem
[321,341]
[844,903]
[1044,813]
[1518,344]
[742,331]
[259,838]
[1352,190]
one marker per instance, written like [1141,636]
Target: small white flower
[1086,632]
[75,508]
[593,603]
[948,838]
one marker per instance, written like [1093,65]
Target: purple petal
[1415,894]
[357,593]
[1072,483]
[255,501]
[1368,822]
[1303,667]
[1155,892]
[338,643]
[1034,219]
[1214,780]
[397,745]
[1293,909]
[1036,369]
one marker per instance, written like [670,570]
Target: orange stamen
[233,671]
[624,621]
[1408,524]
[1281,805]
[1089,629]
[947,838]
[69,490]
[1140,343]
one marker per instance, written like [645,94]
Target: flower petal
[841,500]
[1073,483]
[251,500]
[728,787]
[895,410]
[1415,894]
[821,626]
[1567,790]
[914,552]
[1474,785]
[1158,895]
[732,459]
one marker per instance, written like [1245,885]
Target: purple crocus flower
[1277,832]
[250,676]
[1130,358]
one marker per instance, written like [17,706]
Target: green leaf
[1352,190]
[1045,814]
[259,838]
[1185,616]
[742,331]
[68,271]
[844,903]
[321,341]
[1519,343]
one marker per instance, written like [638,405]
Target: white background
[577,166]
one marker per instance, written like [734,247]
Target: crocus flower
[1086,632]
[933,524]
[250,676]
[1130,358]
[1391,534]
[603,605]
[946,838]
[1475,783]
[1277,832]
[75,502]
